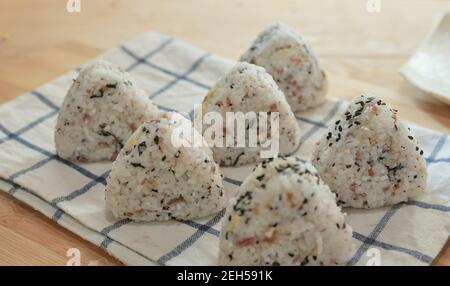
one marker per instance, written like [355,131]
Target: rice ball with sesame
[292,64]
[369,158]
[249,89]
[284,215]
[155,178]
[101,110]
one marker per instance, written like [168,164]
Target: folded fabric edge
[115,249]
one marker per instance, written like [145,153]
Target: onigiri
[101,110]
[154,179]
[284,215]
[369,158]
[292,64]
[249,88]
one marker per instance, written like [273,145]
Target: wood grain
[361,51]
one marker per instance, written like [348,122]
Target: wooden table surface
[360,50]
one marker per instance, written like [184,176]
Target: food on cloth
[101,110]
[284,214]
[157,177]
[369,158]
[292,64]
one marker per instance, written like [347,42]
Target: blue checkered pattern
[313,124]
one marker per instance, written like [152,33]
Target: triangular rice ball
[249,88]
[292,64]
[101,110]
[284,215]
[369,158]
[153,179]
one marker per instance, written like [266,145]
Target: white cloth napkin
[177,75]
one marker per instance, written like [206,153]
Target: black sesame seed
[111,85]
[137,165]
[259,178]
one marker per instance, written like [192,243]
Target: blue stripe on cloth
[374,234]
[105,231]
[17,187]
[316,128]
[161,69]
[82,170]
[201,227]
[313,122]
[14,185]
[29,126]
[150,54]
[45,100]
[441,160]
[386,246]
[68,163]
[57,215]
[191,69]
[232,181]
[24,142]
[80,191]
[437,148]
[31,168]
[115,225]
[13,190]
[424,205]
[105,243]
[190,240]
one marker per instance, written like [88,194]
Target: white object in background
[429,67]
